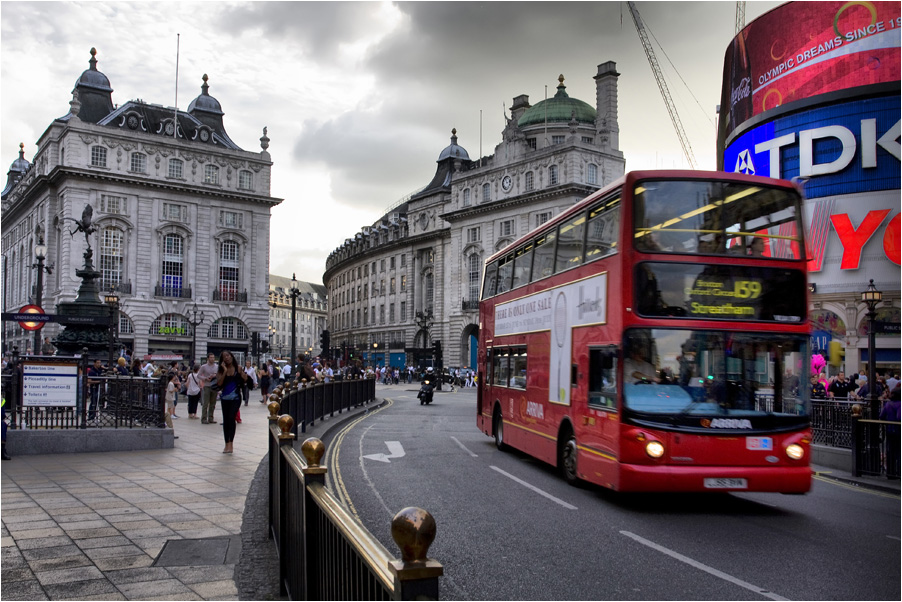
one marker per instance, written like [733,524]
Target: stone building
[311,313]
[413,277]
[182,216]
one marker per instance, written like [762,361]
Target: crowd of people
[854,387]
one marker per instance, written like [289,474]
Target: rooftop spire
[93,61]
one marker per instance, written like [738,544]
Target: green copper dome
[561,108]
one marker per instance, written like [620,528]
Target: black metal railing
[220,294]
[306,404]
[95,402]
[179,292]
[875,447]
[123,288]
[469,305]
[324,552]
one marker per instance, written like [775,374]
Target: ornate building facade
[413,277]
[311,313]
[182,218]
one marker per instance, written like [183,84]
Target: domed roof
[560,108]
[92,78]
[21,164]
[205,102]
[454,150]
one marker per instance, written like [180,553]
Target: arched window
[175,168]
[125,324]
[171,324]
[486,193]
[530,181]
[228,328]
[473,267]
[552,175]
[173,265]
[592,174]
[229,256]
[211,174]
[110,258]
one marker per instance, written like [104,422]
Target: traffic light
[837,354]
[264,346]
[324,341]
[437,351]
[255,343]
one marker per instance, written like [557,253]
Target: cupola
[94,93]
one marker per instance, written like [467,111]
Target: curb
[858,483]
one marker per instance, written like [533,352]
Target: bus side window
[603,378]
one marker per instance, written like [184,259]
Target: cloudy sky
[360,98]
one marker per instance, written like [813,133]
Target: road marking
[703,567]
[817,477]
[536,489]
[894,537]
[396,450]
[461,445]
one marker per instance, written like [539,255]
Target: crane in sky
[662,84]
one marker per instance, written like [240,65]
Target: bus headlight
[795,451]
[655,449]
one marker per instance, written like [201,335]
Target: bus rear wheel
[567,459]
[498,430]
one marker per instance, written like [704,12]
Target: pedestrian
[229,379]
[136,368]
[121,367]
[264,380]
[817,388]
[251,383]
[172,389]
[94,373]
[194,392]
[892,412]
[207,375]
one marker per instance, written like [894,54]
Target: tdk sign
[843,149]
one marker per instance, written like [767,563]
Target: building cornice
[582,190]
[444,233]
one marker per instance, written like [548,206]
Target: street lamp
[194,322]
[294,292]
[872,298]
[112,299]
[40,253]
[424,320]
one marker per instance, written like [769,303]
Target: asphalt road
[509,528]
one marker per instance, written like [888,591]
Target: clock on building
[507,183]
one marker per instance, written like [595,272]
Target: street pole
[112,300]
[40,253]
[294,298]
[194,323]
[872,297]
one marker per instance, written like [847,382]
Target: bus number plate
[725,483]
[759,443]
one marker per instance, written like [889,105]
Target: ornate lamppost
[294,292]
[872,298]
[40,254]
[194,323]
[112,300]
[424,321]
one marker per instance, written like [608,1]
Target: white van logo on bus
[727,423]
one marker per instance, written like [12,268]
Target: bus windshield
[716,218]
[715,373]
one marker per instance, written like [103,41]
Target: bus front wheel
[498,430]
[568,459]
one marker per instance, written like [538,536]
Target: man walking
[206,375]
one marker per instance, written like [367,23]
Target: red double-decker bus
[654,337]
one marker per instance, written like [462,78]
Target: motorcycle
[426,391]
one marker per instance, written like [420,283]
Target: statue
[86,224]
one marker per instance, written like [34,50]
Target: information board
[49,384]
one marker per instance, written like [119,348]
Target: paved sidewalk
[89,526]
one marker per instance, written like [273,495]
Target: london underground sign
[36,317]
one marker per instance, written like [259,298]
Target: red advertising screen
[803,49]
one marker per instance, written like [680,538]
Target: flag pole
[175,116]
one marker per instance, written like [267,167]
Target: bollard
[416,575]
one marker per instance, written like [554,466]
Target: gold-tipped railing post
[416,575]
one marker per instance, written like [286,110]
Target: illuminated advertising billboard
[805,49]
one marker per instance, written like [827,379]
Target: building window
[112,204]
[404,283]
[231,219]
[486,193]
[139,163]
[382,314]
[229,328]
[391,286]
[473,265]
[530,181]
[403,310]
[403,260]
[542,217]
[552,175]
[111,258]
[171,324]
[429,292]
[98,156]
[175,168]
[506,228]
[391,313]
[173,265]
[228,270]
[175,213]
[381,265]
[125,325]
[391,262]
[211,174]
[473,234]
[245,180]
[588,140]
[592,174]
[558,139]
[466,199]
[531,142]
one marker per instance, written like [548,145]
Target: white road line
[536,489]
[461,445]
[703,567]
[894,537]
